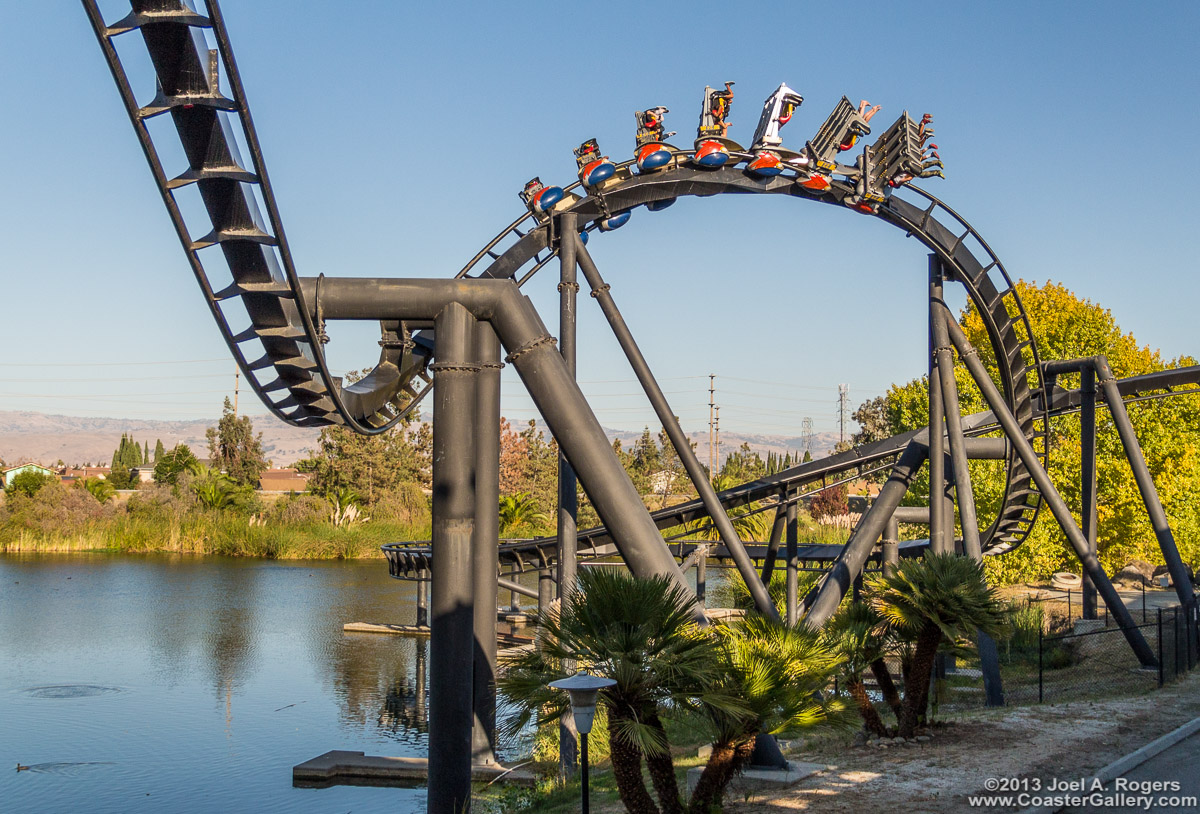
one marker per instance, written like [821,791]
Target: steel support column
[989,656]
[1087,477]
[793,565]
[776,538]
[891,546]
[687,455]
[568,500]
[452,636]
[1054,501]
[485,549]
[823,600]
[939,538]
[568,503]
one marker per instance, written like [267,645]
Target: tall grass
[65,520]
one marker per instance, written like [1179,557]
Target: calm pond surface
[172,684]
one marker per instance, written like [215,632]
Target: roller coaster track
[409,560]
[242,261]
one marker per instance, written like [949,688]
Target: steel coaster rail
[284,323]
[256,251]
[405,559]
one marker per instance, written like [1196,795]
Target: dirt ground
[1064,741]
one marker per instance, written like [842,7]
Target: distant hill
[76,440]
[28,436]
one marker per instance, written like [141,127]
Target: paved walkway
[1178,763]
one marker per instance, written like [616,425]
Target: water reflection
[404,704]
[241,666]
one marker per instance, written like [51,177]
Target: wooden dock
[356,768]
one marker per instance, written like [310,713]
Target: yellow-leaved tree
[1067,327]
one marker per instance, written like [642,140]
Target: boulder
[1137,572]
[1162,576]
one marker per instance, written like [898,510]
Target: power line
[110,364]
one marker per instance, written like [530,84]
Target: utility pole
[717,434]
[712,473]
[237,380]
[843,411]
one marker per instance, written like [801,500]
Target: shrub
[28,483]
[405,503]
[299,510]
[54,509]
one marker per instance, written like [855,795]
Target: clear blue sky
[398,134]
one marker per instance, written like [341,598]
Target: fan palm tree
[519,512]
[856,634]
[98,488]
[214,489]
[642,634]
[941,598]
[778,672]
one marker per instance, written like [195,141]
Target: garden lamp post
[583,689]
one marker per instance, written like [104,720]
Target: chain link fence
[1051,657]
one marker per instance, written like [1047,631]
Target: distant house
[144,473]
[6,475]
[283,480]
[74,473]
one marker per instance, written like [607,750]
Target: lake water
[169,684]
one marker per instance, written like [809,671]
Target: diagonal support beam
[823,600]
[687,455]
[1054,501]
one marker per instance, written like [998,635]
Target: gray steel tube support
[485,550]
[773,544]
[568,500]
[891,546]
[1087,476]
[824,600]
[550,385]
[989,657]
[452,629]
[792,604]
[1050,494]
[516,588]
[1141,474]
[687,455]
[954,434]
[939,537]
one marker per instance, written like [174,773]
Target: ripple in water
[59,691]
[65,768]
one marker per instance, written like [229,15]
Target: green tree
[519,515]
[1066,327]
[856,632]
[235,449]
[941,599]
[643,635]
[778,674]
[128,453]
[374,466]
[158,450]
[28,483]
[744,464]
[121,477]
[99,488]
[173,463]
[215,489]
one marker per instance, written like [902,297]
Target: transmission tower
[806,433]
[843,411]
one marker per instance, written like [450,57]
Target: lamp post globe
[583,690]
